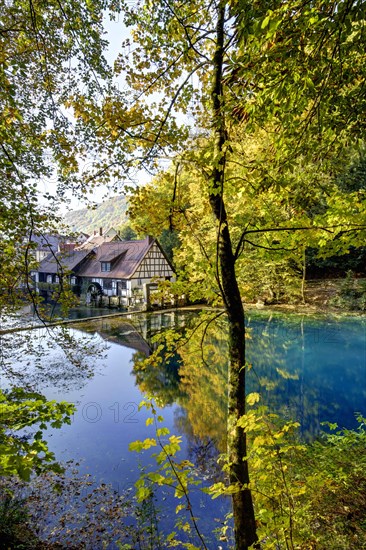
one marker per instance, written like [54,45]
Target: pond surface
[319,366]
[306,369]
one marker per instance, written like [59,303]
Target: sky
[116,33]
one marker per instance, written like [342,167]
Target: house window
[57,279]
[106,266]
[123,285]
[49,278]
[107,285]
[139,282]
[73,280]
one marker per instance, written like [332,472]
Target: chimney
[101,231]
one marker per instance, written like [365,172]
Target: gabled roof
[125,257]
[54,241]
[97,240]
[69,261]
[47,241]
[100,237]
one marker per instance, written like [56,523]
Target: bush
[352,294]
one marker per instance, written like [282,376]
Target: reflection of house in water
[151,324]
[119,332]
[136,331]
[126,335]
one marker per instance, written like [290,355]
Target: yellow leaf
[253,398]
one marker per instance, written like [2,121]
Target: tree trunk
[244,520]
[303,281]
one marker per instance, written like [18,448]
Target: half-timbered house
[126,269]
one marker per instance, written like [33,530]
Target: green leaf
[266,21]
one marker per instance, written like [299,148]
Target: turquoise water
[306,369]
[325,364]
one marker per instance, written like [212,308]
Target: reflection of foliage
[56,356]
[204,379]
[177,475]
[13,517]
[204,455]
[21,452]
[71,510]
[147,534]
[159,376]
[181,370]
[291,356]
[288,357]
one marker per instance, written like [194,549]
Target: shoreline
[249,308]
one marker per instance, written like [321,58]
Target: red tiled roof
[125,257]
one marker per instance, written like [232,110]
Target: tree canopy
[49,53]
[260,106]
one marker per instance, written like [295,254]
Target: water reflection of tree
[276,353]
[306,359]
[285,366]
[291,365]
[204,381]
[164,381]
[56,357]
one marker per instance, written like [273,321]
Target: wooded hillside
[110,213]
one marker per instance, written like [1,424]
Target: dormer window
[106,266]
